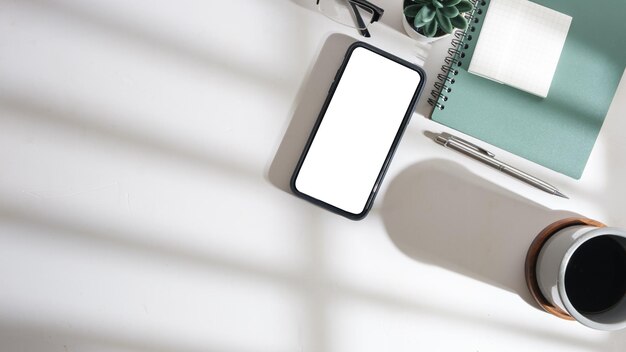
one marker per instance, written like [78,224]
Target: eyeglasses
[357,14]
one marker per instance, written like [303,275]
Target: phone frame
[392,149]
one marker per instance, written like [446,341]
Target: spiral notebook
[558,131]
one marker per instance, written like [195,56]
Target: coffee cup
[581,271]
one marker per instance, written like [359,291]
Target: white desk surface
[145,149]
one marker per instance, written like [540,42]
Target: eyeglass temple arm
[377,12]
[359,20]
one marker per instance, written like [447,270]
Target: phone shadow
[306,109]
[438,212]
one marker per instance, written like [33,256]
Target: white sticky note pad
[520,44]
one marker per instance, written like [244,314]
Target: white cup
[582,270]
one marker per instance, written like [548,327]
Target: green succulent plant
[431,17]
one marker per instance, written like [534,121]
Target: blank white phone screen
[357,131]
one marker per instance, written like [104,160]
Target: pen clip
[484,151]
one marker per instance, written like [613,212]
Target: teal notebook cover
[558,131]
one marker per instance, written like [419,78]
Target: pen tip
[431,135]
[561,194]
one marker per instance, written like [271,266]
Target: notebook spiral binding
[456,54]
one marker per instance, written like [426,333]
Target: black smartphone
[358,129]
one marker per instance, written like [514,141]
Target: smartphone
[358,129]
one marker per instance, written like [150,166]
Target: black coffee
[595,278]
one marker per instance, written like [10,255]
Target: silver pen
[486,157]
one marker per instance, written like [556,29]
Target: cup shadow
[306,109]
[440,213]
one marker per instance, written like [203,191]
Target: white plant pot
[417,36]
